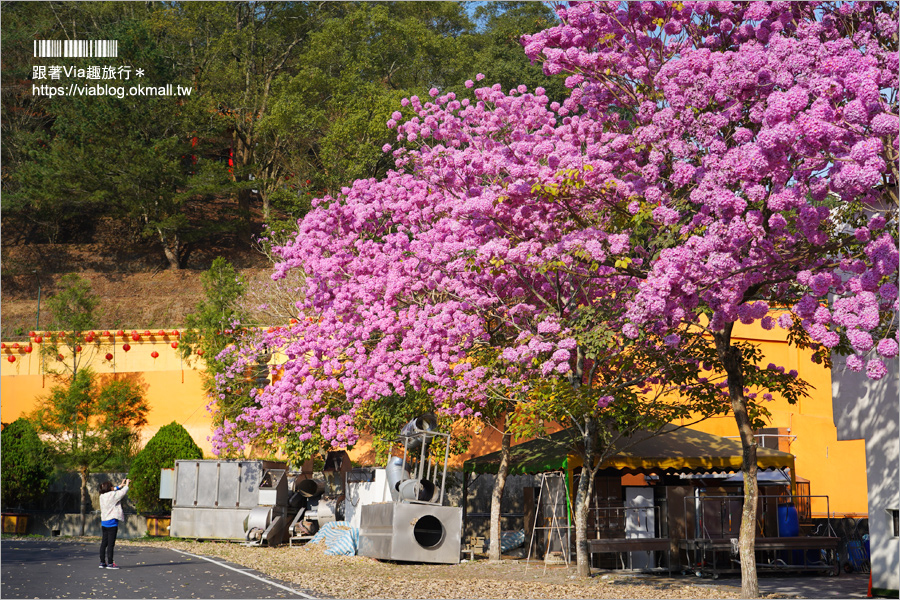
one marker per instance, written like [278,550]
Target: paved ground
[43,568]
[58,569]
[854,585]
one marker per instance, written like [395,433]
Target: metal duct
[394,472]
[310,487]
[418,489]
[425,423]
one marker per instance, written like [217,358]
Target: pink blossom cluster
[758,133]
[410,277]
[712,158]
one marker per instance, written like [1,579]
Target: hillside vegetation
[139,194]
[129,276]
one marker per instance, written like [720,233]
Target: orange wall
[172,387]
[174,390]
[834,468]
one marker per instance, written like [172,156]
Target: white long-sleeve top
[111,504]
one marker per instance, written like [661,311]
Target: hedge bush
[170,443]
[27,465]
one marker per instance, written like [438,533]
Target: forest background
[288,101]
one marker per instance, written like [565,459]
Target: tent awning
[677,449]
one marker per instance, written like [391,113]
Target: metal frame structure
[415,526]
[554,526]
[707,552]
[426,467]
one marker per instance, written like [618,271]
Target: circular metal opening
[426,490]
[428,531]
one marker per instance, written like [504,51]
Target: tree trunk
[242,155]
[732,361]
[84,498]
[172,257]
[171,248]
[245,230]
[497,496]
[583,500]
[266,204]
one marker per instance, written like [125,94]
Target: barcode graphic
[76,48]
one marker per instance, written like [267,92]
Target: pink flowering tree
[483,270]
[758,143]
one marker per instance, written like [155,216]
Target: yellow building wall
[172,387]
[174,390]
[836,469]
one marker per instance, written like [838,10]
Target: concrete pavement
[43,568]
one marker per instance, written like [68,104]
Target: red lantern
[199,352]
[2,346]
[11,358]
[32,334]
[176,333]
[293,321]
[120,332]
[175,344]
[89,339]
[28,349]
[38,339]
[77,348]
[147,332]
[160,332]
[109,356]
[107,333]
[59,356]
[154,354]
[15,346]
[135,337]
[126,347]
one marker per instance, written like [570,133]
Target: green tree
[74,314]
[350,77]
[215,324]
[296,95]
[172,442]
[23,119]
[135,157]
[234,52]
[496,50]
[27,467]
[90,427]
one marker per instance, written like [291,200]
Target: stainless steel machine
[415,526]
[255,501]
[214,499]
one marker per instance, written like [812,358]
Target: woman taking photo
[111,514]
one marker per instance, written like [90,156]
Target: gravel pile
[359,577]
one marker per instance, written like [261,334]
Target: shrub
[170,443]
[27,466]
